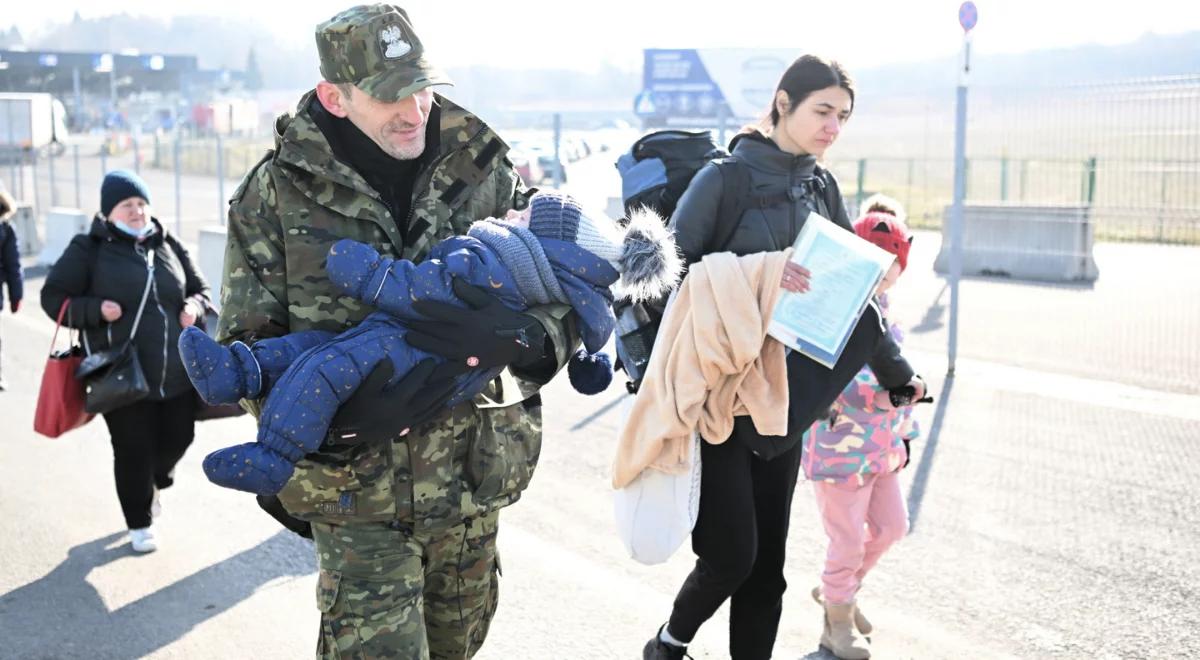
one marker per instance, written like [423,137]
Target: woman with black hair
[748,480]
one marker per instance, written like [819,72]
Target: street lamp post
[968,16]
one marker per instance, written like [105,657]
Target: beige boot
[840,635]
[860,620]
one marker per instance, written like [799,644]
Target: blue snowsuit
[309,374]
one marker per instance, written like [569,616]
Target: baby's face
[518,218]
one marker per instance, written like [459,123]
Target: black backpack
[658,168]
[655,172]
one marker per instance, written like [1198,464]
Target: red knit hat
[882,223]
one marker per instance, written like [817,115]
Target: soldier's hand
[483,335]
[379,412]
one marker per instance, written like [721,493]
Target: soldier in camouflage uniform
[404,522]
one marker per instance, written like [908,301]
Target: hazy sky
[573,34]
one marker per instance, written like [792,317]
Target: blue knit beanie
[118,186]
[558,216]
[554,215]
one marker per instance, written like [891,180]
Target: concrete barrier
[1044,243]
[24,222]
[62,224]
[211,257]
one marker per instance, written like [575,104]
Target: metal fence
[191,179]
[1048,171]
[1130,151]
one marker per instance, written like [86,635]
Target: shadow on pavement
[599,413]
[61,615]
[933,314]
[916,494]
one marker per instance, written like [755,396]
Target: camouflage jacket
[290,209]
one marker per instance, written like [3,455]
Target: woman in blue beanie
[128,280]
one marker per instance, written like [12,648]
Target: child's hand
[907,395]
[795,278]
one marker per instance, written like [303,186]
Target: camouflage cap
[375,48]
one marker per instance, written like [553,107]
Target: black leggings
[148,439]
[740,542]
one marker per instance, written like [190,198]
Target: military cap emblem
[392,40]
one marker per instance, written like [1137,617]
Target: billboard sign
[697,86]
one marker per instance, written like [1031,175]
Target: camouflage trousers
[388,593]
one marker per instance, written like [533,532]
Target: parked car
[549,166]
[527,167]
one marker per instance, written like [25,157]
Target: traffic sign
[643,105]
[968,15]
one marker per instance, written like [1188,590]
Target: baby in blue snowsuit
[551,253]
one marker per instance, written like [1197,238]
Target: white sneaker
[155,506]
[143,540]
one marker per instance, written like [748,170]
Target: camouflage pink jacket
[856,439]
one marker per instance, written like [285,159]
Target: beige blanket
[712,361]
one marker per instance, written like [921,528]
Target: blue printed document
[845,273]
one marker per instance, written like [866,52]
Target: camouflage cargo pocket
[354,484]
[373,615]
[504,452]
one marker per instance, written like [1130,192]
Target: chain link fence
[1129,151]
[191,179]
[1101,180]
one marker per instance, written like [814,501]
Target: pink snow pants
[862,522]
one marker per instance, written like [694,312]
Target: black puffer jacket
[105,264]
[775,173]
[10,264]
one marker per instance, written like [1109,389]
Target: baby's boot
[221,374]
[249,467]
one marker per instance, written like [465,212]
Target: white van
[32,122]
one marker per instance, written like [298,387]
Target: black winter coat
[773,173]
[10,264]
[105,264]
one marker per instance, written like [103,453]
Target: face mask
[145,231]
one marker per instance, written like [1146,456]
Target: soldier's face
[397,127]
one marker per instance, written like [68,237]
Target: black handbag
[114,378]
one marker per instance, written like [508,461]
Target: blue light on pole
[968,15]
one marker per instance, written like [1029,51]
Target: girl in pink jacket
[853,457]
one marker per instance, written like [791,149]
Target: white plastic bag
[656,512]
